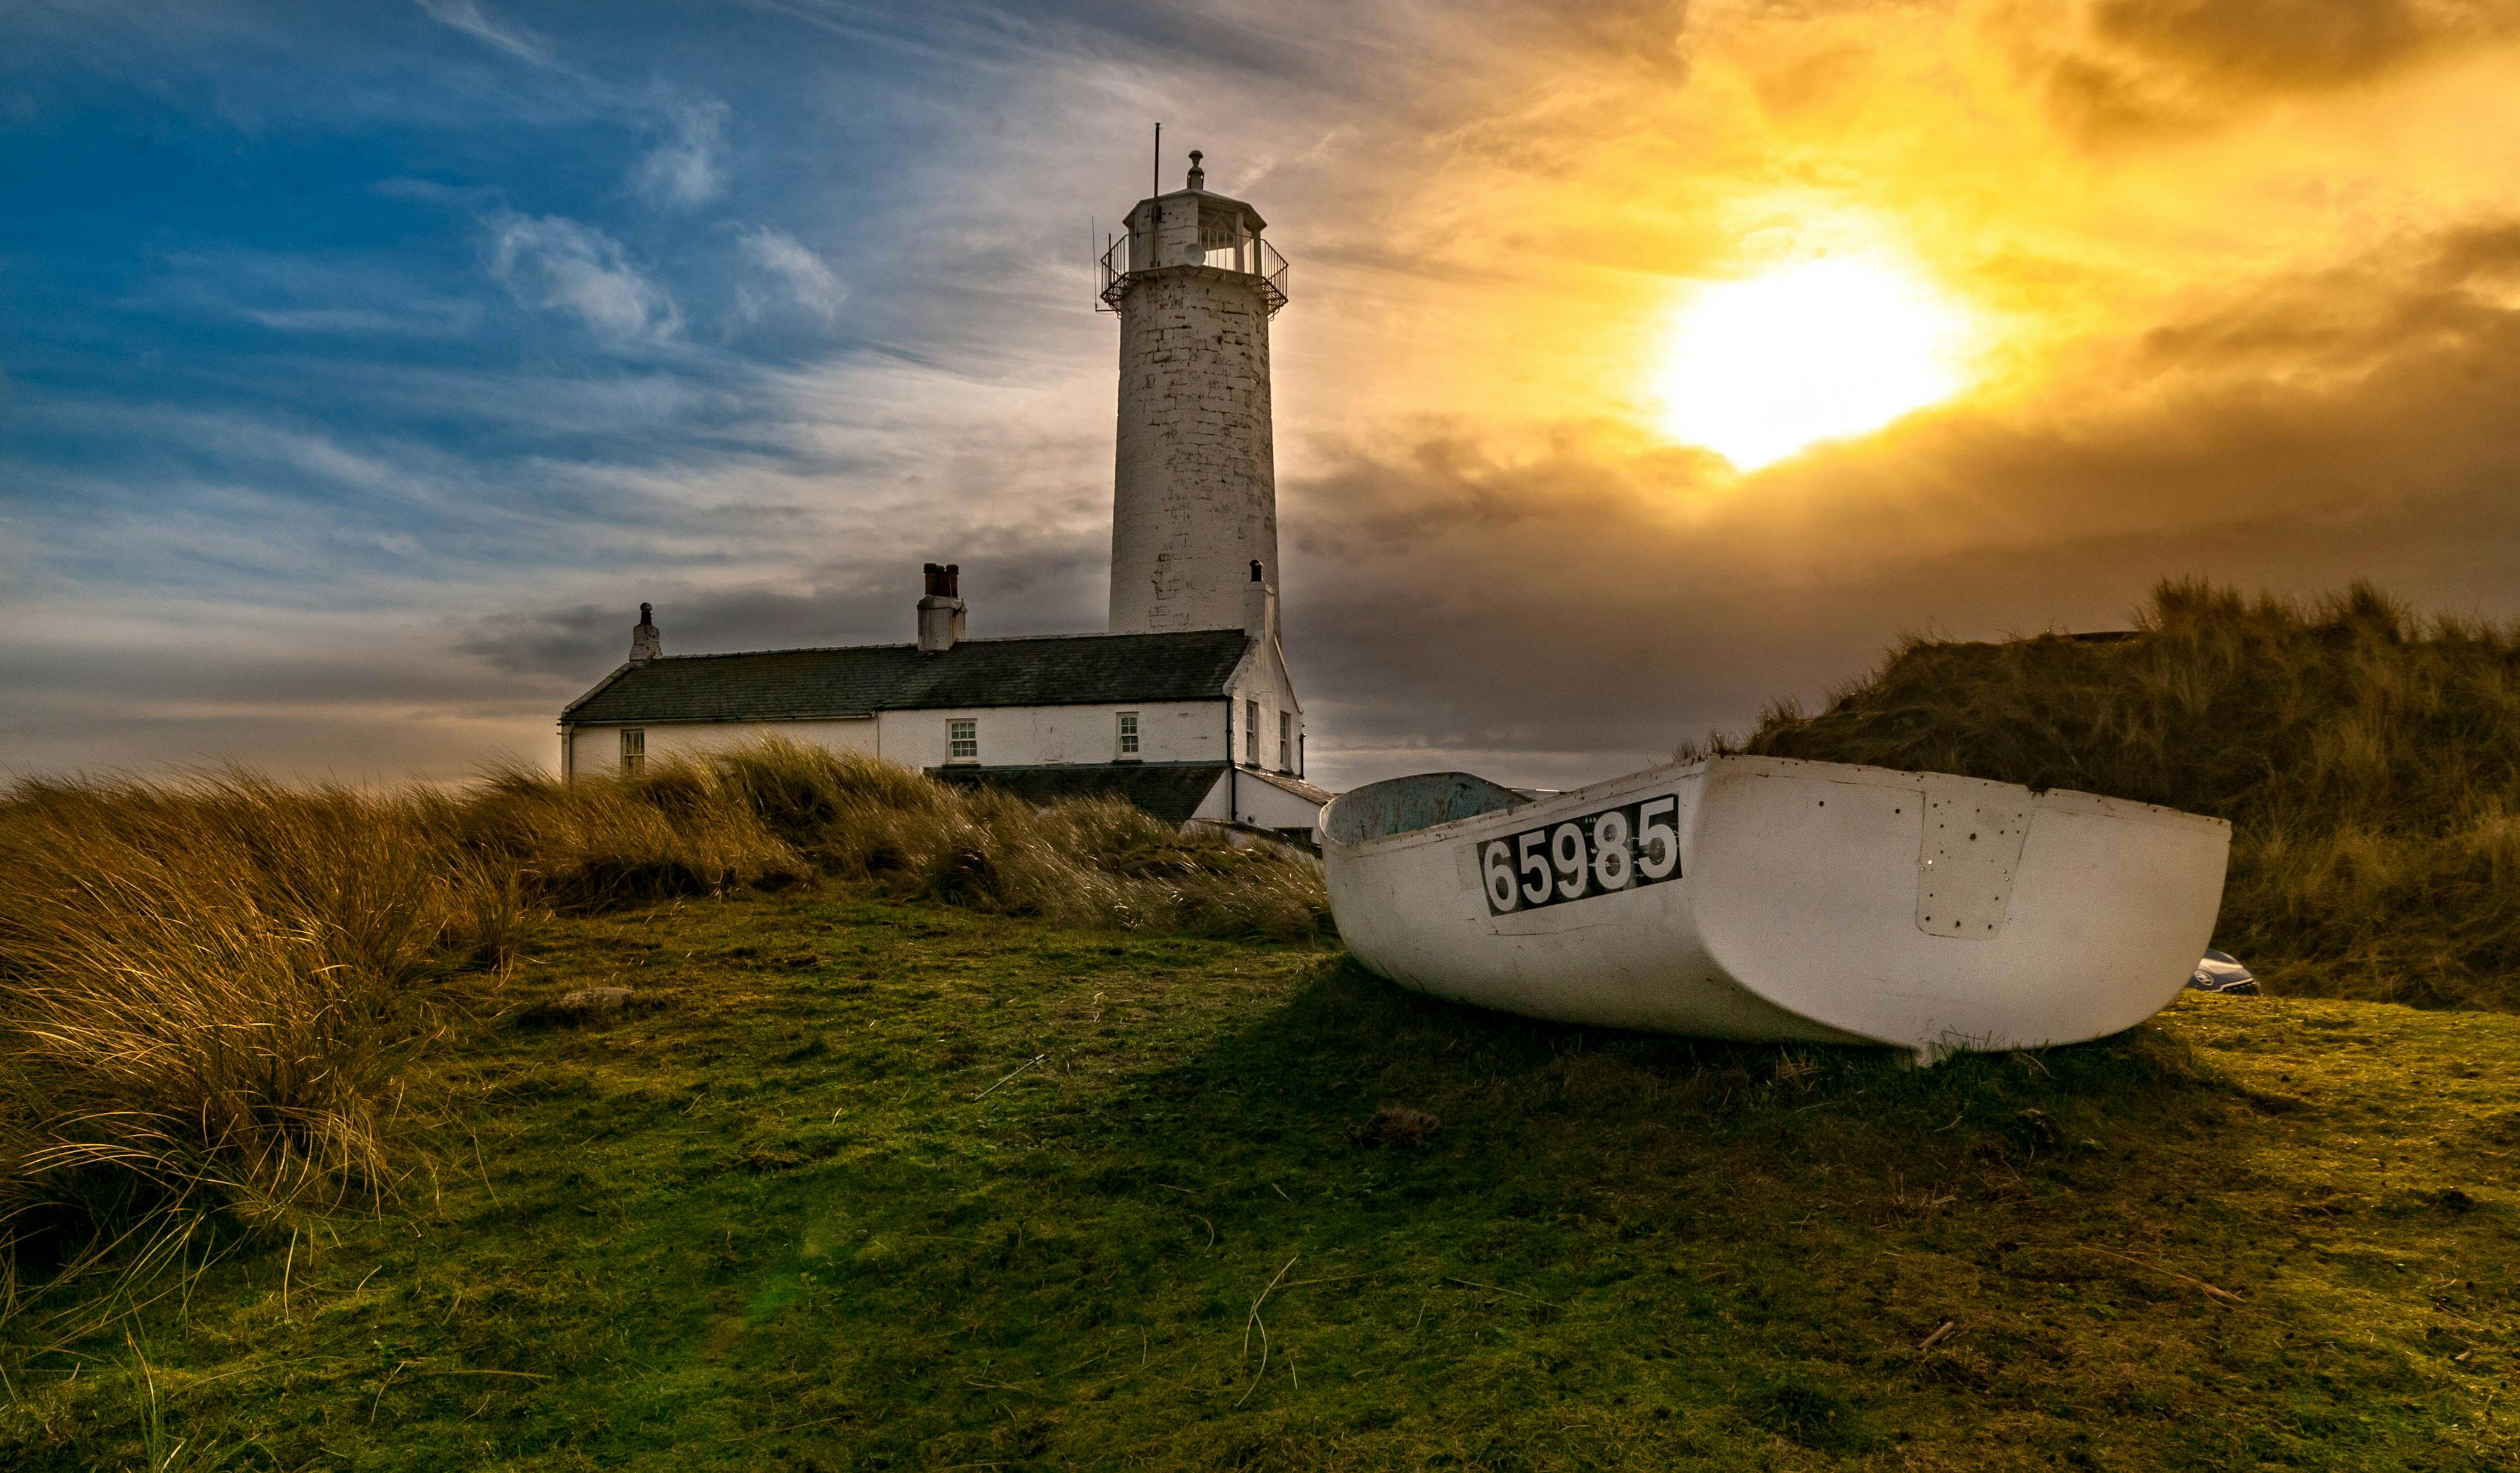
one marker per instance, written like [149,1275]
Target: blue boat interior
[1404,805]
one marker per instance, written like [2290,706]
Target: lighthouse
[1184,705]
[1194,488]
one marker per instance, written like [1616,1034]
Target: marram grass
[2368,762]
[211,990]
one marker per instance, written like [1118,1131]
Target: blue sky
[363,367]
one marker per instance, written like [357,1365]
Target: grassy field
[860,1184]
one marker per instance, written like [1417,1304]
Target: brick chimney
[1259,605]
[646,643]
[940,609]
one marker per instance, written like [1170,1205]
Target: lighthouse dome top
[1193,226]
[1215,210]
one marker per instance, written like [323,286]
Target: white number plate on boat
[1617,848]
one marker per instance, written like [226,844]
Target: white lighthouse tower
[1184,706]
[1194,495]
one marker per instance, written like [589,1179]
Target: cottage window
[1286,741]
[1128,733]
[1252,732]
[634,750]
[962,740]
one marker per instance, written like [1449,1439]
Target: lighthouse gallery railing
[1117,272]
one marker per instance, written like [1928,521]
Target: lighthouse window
[1286,741]
[634,750]
[1252,732]
[1128,733]
[962,740]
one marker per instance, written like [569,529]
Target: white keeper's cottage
[1185,706]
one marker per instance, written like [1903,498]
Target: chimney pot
[940,610]
[1259,606]
[645,643]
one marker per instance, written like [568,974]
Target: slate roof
[1288,782]
[1171,791]
[858,680]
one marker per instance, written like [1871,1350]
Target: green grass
[810,1210]
[212,990]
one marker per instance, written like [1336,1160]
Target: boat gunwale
[2076,800]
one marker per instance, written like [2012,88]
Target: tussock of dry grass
[2369,761]
[777,812]
[205,985]
[202,986]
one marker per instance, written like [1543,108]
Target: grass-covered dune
[865,1184]
[2368,762]
[211,991]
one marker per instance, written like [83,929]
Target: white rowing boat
[1765,899]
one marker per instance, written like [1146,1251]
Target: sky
[362,368]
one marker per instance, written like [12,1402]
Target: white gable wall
[1262,677]
[1010,736]
[1022,736]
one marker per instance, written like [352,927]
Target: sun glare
[1818,349]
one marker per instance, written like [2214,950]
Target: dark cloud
[2278,43]
[2386,325]
[547,641]
[1574,614]
[1012,585]
[1648,34]
[2479,254]
[300,682]
[2118,69]
[381,706]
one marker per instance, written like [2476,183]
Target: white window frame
[1251,731]
[634,751]
[1128,737]
[962,732]
[1286,740]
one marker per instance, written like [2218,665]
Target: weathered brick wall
[1196,491]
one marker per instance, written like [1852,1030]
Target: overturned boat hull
[1767,898]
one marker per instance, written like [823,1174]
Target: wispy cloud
[687,168]
[561,265]
[439,319]
[799,271]
[337,294]
[468,17]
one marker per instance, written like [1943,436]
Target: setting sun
[1818,349]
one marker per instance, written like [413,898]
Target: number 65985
[1617,848]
